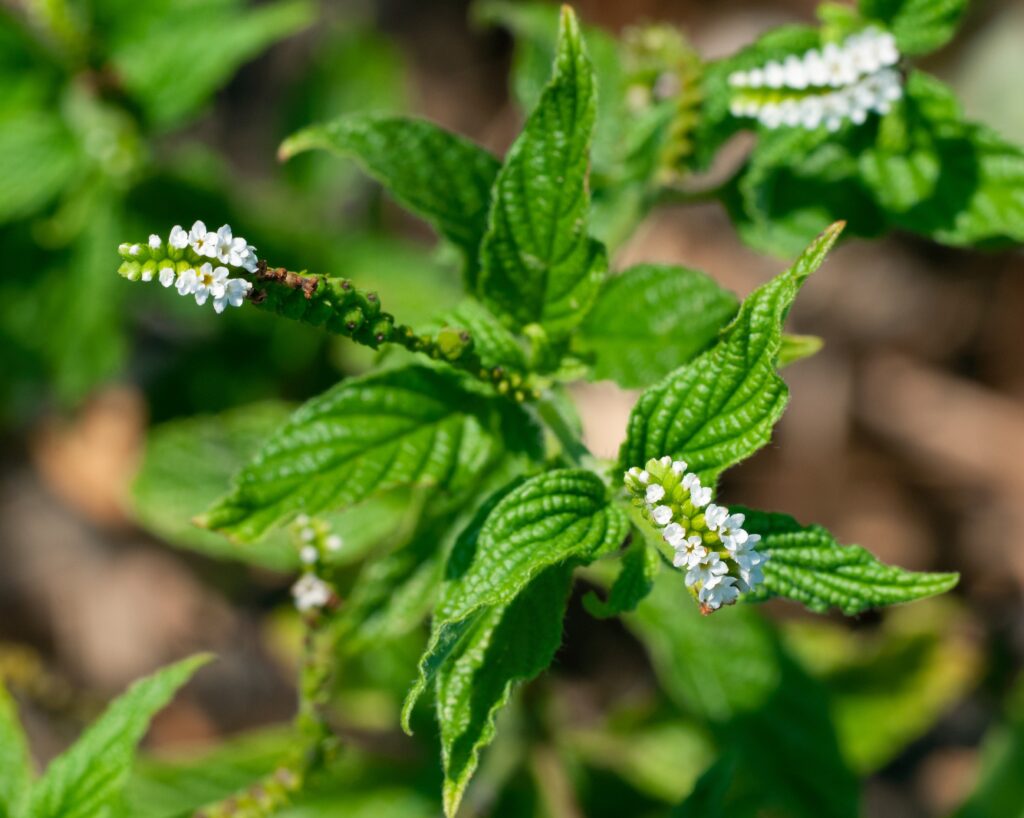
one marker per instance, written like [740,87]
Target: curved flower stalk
[224,269]
[719,556]
[839,83]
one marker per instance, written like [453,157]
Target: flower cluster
[313,539]
[182,263]
[826,87]
[719,556]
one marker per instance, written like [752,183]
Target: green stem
[317,742]
[573,449]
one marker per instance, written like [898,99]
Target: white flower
[307,534]
[233,293]
[715,515]
[187,282]
[674,534]
[309,554]
[662,515]
[210,281]
[770,115]
[679,466]
[333,543]
[147,275]
[732,532]
[719,591]
[749,561]
[755,77]
[815,68]
[302,520]
[811,112]
[249,262]
[704,567]
[795,72]
[178,238]
[230,249]
[202,241]
[839,66]
[665,461]
[774,74]
[738,79]
[155,242]
[655,493]
[690,552]
[310,592]
[167,276]
[643,477]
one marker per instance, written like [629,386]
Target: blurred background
[117,119]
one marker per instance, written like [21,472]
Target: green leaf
[190,460]
[721,407]
[503,646]
[557,517]
[889,686]
[999,792]
[640,565]
[920,26]
[806,563]
[15,761]
[88,780]
[539,265]
[38,158]
[495,345]
[939,176]
[652,319]
[797,347]
[171,61]
[406,427]
[437,175]
[731,671]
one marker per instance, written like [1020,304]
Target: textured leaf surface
[504,645]
[551,518]
[639,566]
[807,564]
[495,345]
[721,407]
[15,762]
[407,427]
[539,265]
[88,780]
[436,174]
[729,670]
[188,461]
[652,319]
[920,26]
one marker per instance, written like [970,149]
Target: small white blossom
[690,552]
[155,242]
[679,466]
[187,282]
[230,249]
[718,591]
[178,238]
[705,565]
[309,554]
[202,241]
[167,276]
[795,72]
[749,561]
[714,516]
[210,280]
[333,543]
[310,592]
[302,520]
[662,515]
[233,293]
[655,492]
[774,74]
[674,534]
[307,534]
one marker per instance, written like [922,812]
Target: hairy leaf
[920,26]
[504,645]
[553,518]
[88,780]
[721,407]
[652,319]
[639,566]
[730,670]
[406,427]
[539,265]
[436,174]
[806,563]
[15,762]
